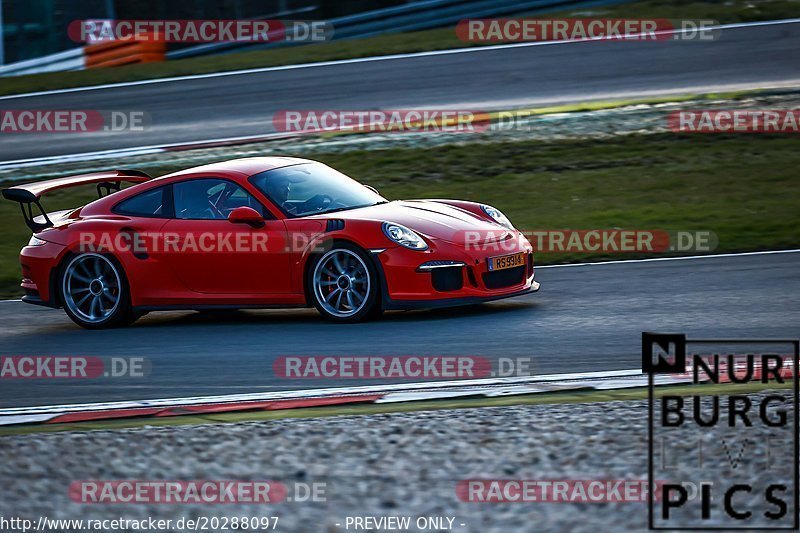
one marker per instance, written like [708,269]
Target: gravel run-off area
[398,465]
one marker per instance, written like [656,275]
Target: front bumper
[393,305]
[449,274]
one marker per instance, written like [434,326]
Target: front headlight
[404,236]
[36,242]
[497,216]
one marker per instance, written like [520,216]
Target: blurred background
[33,28]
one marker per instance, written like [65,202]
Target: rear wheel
[343,285]
[95,293]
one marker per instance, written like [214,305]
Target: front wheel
[344,285]
[95,293]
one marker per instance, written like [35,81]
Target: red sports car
[261,232]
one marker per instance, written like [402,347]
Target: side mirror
[373,189]
[246,215]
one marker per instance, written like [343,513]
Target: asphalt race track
[585,318]
[229,106]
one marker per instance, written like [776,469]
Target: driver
[278,188]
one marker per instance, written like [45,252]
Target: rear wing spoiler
[28,195]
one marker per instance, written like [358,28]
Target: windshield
[312,189]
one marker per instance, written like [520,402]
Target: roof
[246,165]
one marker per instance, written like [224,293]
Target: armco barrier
[117,53]
[61,61]
[412,16]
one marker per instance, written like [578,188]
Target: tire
[95,292]
[343,284]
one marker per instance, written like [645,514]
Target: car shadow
[310,316]
[463,311]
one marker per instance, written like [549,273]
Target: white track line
[81,157]
[681,258]
[132,151]
[317,393]
[473,49]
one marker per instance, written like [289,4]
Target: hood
[434,220]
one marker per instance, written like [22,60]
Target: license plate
[506,261]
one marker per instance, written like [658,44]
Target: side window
[146,204]
[210,199]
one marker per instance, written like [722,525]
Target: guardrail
[61,61]
[76,58]
[415,16]
[107,54]
[216,48]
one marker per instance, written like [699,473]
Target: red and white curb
[270,401]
